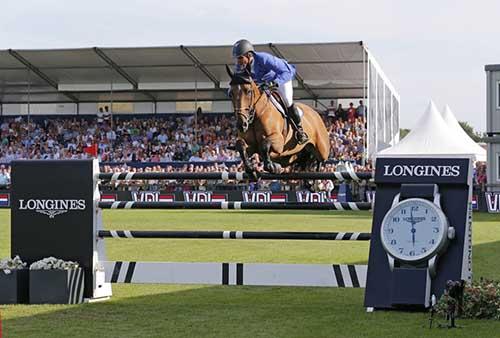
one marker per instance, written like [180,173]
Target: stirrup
[301,137]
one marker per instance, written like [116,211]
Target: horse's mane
[241,78]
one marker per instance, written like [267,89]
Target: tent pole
[29,101]
[195,105]
[365,117]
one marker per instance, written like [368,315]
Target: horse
[263,130]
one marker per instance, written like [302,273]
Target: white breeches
[286,92]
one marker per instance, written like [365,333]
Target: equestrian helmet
[241,47]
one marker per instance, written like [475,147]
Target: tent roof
[461,135]
[179,73]
[430,137]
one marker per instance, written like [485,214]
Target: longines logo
[51,207]
[422,170]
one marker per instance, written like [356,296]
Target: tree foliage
[403,132]
[470,131]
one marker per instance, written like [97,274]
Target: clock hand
[418,219]
[412,227]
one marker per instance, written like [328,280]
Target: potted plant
[13,281]
[55,281]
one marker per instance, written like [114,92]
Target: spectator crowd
[162,138]
[168,142]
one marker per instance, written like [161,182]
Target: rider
[266,68]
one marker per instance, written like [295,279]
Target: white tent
[431,137]
[462,136]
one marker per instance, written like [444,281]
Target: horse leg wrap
[241,146]
[269,165]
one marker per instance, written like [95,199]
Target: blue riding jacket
[267,68]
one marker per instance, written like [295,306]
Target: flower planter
[56,286]
[14,287]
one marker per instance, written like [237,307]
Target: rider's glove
[269,76]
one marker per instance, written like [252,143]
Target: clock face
[413,230]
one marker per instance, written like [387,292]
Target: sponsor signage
[264,196]
[108,197]
[418,170]
[313,197]
[51,211]
[152,196]
[204,196]
[493,202]
[421,170]
[51,207]
[370,196]
[219,196]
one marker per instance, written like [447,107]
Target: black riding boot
[300,135]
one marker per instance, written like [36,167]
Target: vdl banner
[493,202]
[262,196]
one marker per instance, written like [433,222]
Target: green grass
[218,311]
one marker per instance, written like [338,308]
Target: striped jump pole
[332,236]
[258,274]
[238,176]
[238,205]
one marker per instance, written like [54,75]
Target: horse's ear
[229,72]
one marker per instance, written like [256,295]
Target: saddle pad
[280,107]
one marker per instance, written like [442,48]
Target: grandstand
[166,108]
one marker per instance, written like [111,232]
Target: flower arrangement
[9,264]
[52,263]
[481,300]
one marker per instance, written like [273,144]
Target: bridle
[250,117]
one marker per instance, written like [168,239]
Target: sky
[428,49]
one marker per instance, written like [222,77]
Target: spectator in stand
[4,176]
[100,115]
[361,110]
[107,114]
[351,113]
[330,111]
[480,174]
[195,157]
[340,114]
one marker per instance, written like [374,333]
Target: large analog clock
[414,230]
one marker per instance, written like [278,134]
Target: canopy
[180,73]
[74,81]
[431,137]
[461,136]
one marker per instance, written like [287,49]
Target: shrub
[481,300]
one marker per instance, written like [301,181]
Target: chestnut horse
[262,129]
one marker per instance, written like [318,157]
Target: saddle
[277,100]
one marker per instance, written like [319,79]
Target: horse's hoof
[253,175]
[308,186]
[276,168]
[250,170]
